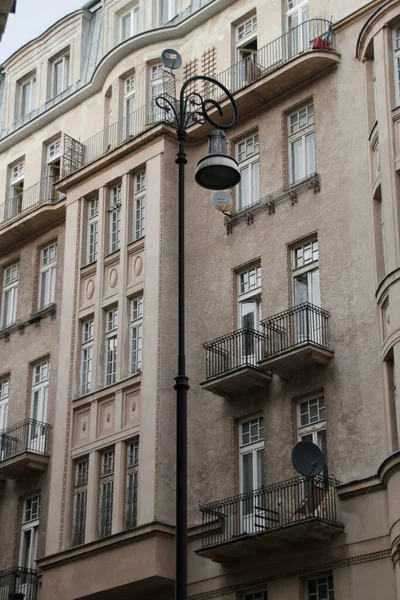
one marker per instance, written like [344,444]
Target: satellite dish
[223,201]
[308,459]
[171,59]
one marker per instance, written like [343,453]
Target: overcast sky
[32,17]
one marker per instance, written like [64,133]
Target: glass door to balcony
[40,388]
[251,473]
[307,324]
[298,38]
[249,315]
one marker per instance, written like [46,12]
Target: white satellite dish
[223,201]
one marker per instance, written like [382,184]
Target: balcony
[296,339]
[33,209]
[270,520]
[24,447]
[232,363]
[18,583]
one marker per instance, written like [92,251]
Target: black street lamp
[216,171]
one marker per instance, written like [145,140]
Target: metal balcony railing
[27,436]
[292,501]
[297,326]
[241,348]
[299,40]
[18,583]
[37,195]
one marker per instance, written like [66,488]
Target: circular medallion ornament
[90,289]
[138,265]
[113,278]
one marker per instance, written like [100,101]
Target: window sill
[98,392]
[34,319]
[90,264]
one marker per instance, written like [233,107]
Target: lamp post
[216,171]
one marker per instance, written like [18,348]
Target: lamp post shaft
[181,387]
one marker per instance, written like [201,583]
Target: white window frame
[129,101]
[133,15]
[111,346]
[92,230]
[65,62]
[29,530]
[80,501]
[246,31]
[53,160]
[15,200]
[325,580]
[10,295]
[139,205]
[156,89]
[87,356]
[248,158]
[107,467]
[136,335]
[115,217]
[166,10]
[26,101]
[4,399]
[305,261]
[250,444]
[313,428]
[301,134]
[132,477]
[47,276]
[396,57]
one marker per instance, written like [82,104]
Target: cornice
[374,483]
[379,13]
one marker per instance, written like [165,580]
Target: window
[115,217]
[249,313]
[10,295]
[156,89]
[305,273]
[251,468]
[165,10]
[139,201]
[26,95]
[261,595]
[248,159]
[14,205]
[4,396]
[301,143]
[92,230]
[136,334]
[111,345]
[52,170]
[132,467]
[247,68]
[87,356]
[311,423]
[29,532]
[80,500]
[396,50]
[130,23]
[59,75]
[297,15]
[47,284]
[106,493]
[129,105]
[320,588]
[38,413]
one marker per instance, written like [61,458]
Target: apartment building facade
[292,304]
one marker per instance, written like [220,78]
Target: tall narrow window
[251,468]
[248,159]
[92,230]
[312,425]
[80,500]
[129,105]
[15,200]
[136,334]
[247,68]
[396,50]
[132,467]
[139,201]
[111,345]
[29,532]
[10,295]
[37,439]
[130,23]
[53,170]
[165,11]
[305,273]
[47,283]
[4,397]
[59,75]
[297,15]
[156,89]
[301,143]
[115,217]
[249,314]
[26,94]
[87,356]
[319,588]
[106,493]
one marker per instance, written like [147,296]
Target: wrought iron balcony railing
[241,348]
[270,508]
[303,324]
[33,197]
[27,436]
[309,36]
[18,583]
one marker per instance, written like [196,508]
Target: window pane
[126,26]
[256,181]
[297,160]
[310,154]
[244,188]
[247,472]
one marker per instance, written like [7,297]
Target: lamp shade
[217,170]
